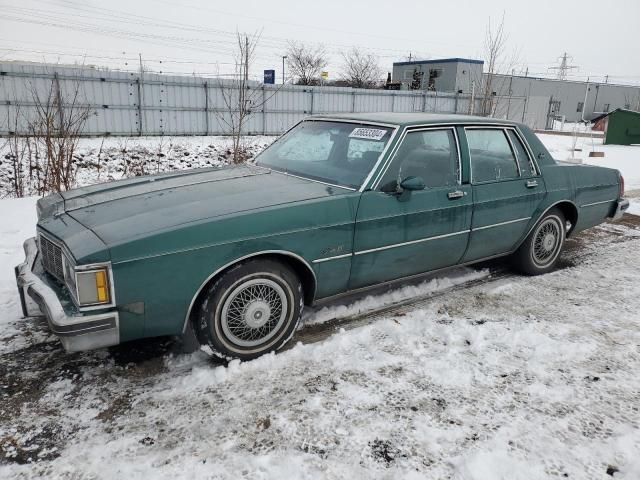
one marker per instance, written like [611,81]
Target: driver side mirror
[412,183]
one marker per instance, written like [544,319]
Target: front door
[507,190]
[403,233]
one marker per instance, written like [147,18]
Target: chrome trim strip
[311,179]
[513,151]
[527,147]
[328,259]
[501,223]
[331,298]
[386,247]
[380,159]
[245,257]
[235,240]
[417,212]
[598,203]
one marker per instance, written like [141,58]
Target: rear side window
[491,156]
[526,167]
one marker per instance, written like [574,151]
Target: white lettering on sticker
[368,133]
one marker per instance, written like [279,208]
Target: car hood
[131,209]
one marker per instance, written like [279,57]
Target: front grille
[51,258]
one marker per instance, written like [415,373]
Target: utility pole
[510,92]
[409,56]
[584,104]
[141,67]
[246,58]
[284,57]
[473,97]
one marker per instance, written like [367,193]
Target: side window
[429,154]
[526,167]
[491,156]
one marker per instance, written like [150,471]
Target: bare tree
[305,62]
[239,94]
[242,97]
[360,69]
[59,119]
[494,45]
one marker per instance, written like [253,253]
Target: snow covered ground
[113,158]
[509,378]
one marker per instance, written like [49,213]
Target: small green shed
[622,127]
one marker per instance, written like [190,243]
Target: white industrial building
[568,99]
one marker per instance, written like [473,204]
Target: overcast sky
[197,35]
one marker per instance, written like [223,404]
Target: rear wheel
[539,253]
[252,309]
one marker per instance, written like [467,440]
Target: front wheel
[539,252]
[252,309]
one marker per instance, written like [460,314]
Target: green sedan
[337,204]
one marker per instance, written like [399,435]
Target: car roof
[410,119]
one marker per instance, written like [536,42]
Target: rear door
[402,234]
[507,190]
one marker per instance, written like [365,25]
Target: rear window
[491,156]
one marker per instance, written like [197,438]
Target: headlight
[93,287]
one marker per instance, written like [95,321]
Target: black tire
[539,252]
[252,309]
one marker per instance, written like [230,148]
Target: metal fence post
[353,101]
[393,102]
[424,102]
[455,105]
[264,114]
[139,83]
[311,90]
[206,108]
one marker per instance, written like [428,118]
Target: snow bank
[372,302]
[18,223]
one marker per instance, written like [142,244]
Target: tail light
[621,185]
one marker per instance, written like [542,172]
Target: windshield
[332,152]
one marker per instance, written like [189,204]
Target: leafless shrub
[18,146]
[99,159]
[360,69]
[59,119]
[241,97]
[305,62]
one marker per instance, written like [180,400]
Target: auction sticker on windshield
[368,133]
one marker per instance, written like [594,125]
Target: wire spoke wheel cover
[254,311]
[547,241]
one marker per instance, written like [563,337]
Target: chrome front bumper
[77,332]
[621,207]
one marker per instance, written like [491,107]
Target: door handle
[456,194]
[532,183]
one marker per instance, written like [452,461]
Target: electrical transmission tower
[564,66]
